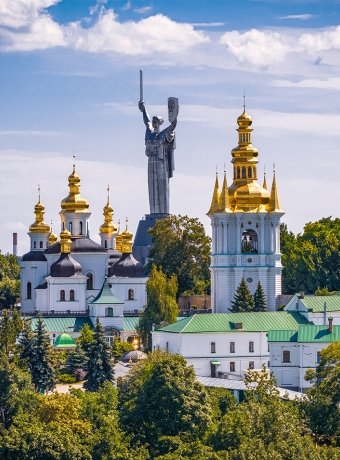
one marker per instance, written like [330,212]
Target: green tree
[260,302]
[9,280]
[8,333]
[323,405]
[161,305]
[86,337]
[77,360]
[243,300]
[40,362]
[119,348]
[161,397]
[99,369]
[181,248]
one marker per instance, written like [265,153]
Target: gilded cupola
[108,225]
[52,237]
[39,226]
[127,238]
[74,202]
[119,239]
[65,242]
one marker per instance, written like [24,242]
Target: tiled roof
[316,303]
[105,296]
[227,322]
[307,333]
[63,324]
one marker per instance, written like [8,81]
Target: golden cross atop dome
[108,193]
[38,193]
[74,160]
[244,100]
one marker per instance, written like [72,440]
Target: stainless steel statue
[159,148]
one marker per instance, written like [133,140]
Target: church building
[68,277]
[245,219]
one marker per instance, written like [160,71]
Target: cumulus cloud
[154,34]
[143,9]
[20,13]
[321,41]
[256,47]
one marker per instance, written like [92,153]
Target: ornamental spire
[224,197]
[39,226]
[264,181]
[215,201]
[274,205]
[108,226]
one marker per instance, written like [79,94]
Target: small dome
[244,120]
[64,341]
[127,267]
[52,238]
[74,202]
[134,356]
[65,266]
[39,226]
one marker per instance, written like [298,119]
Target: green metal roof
[227,322]
[316,303]
[62,324]
[307,333]
[130,323]
[64,341]
[105,296]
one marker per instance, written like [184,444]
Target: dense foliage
[244,301]
[311,260]
[160,411]
[181,248]
[9,281]
[161,305]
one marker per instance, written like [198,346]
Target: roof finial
[225,168]
[126,223]
[108,193]
[274,168]
[244,100]
[74,161]
[38,193]
[216,170]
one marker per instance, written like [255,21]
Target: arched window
[41,245]
[29,290]
[249,242]
[244,172]
[238,172]
[89,283]
[249,172]
[71,294]
[62,295]
[80,228]
[70,226]
[131,294]
[105,244]
[109,311]
[35,245]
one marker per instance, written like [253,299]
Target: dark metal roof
[128,267]
[114,256]
[42,285]
[78,245]
[34,256]
[65,266]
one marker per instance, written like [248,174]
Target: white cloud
[301,17]
[321,41]
[127,6]
[207,24]
[147,36]
[332,83]
[256,47]
[20,13]
[143,9]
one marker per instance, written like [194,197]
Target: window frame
[212,347]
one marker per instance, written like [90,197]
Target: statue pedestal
[143,242]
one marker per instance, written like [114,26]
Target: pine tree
[260,302]
[26,343]
[77,359]
[243,300]
[43,374]
[100,368]
[7,334]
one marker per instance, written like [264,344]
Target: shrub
[66,378]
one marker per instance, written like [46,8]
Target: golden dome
[74,202]
[52,238]
[65,241]
[127,238]
[108,226]
[244,120]
[39,226]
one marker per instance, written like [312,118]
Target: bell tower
[245,219]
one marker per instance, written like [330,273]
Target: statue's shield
[173,108]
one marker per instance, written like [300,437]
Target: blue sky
[69,81]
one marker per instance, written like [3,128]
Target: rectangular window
[251,347]
[167,346]
[232,347]
[286,356]
[251,365]
[212,347]
[318,356]
[232,367]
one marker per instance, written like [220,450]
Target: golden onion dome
[39,226]
[52,238]
[108,225]
[244,120]
[65,241]
[126,238]
[74,202]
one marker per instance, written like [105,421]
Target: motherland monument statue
[159,148]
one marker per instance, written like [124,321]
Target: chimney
[302,295]
[15,244]
[330,324]
[325,313]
